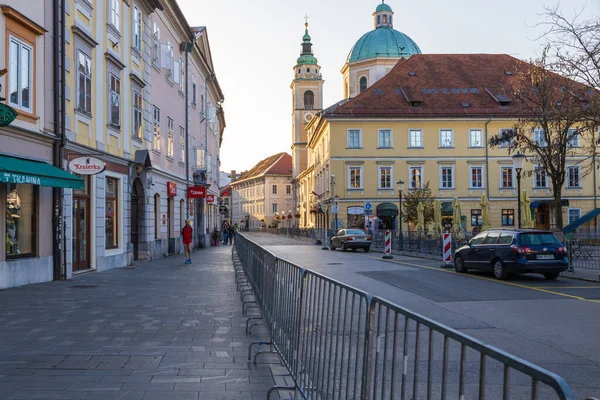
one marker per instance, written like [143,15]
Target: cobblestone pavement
[159,330]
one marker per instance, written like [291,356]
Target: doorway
[137,213]
[170,223]
[542,217]
[81,224]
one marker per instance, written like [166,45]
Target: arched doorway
[137,216]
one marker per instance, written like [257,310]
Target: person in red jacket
[187,233]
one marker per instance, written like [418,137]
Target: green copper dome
[383,7]
[307,59]
[383,42]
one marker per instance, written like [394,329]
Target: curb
[577,278]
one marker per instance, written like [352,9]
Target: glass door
[80,234]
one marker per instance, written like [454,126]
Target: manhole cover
[334,263]
[83,286]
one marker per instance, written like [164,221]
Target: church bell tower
[307,95]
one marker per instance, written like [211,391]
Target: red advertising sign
[210,198]
[196,192]
[171,189]
[225,193]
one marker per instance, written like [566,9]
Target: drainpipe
[186,47]
[487,160]
[59,272]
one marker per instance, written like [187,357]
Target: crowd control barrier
[342,343]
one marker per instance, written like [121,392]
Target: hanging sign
[196,192]
[210,198]
[171,189]
[87,166]
[7,115]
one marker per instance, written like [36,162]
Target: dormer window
[363,84]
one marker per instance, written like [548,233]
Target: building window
[573,174]
[115,13]
[309,100]
[476,178]
[363,84]
[84,83]
[274,189]
[170,141]
[169,61]
[476,217]
[539,138]
[385,177]
[573,138]
[20,74]
[446,139]
[508,217]
[507,177]
[115,101]
[156,124]
[137,29]
[20,220]
[288,189]
[574,214]
[111,214]
[415,139]
[354,177]
[540,177]
[385,139]
[156,44]
[274,207]
[447,177]
[193,89]
[156,216]
[137,116]
[354,139]
[475,138]
[415,177]
[181,144]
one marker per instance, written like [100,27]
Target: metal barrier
[584,250]
[341,343]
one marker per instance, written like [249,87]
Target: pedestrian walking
[231,232]
[225,233]
[187,233]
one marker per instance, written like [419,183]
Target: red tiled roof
[278,164]
[439,85]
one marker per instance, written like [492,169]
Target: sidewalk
[159,330]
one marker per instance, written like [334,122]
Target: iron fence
[342,343]
[584,250]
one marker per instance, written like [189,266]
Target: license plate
[359,239]
[545,257]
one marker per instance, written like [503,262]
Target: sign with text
[196,192]
[171,189]
[87,166]
[210,198]
[7,114]
[223,210]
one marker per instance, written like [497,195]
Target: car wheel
[344,248]
[366,249]
[551,276]
[354,249]
[499,270]
[331,246]
[459,265]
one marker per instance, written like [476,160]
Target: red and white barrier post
[447,250]
[388,245]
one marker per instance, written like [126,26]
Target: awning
[447,208]
[577,223]
[20,170]
[387,210]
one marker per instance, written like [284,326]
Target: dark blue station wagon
[513,251]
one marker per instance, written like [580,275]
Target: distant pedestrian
[225,233]
[231,232]
[187,233]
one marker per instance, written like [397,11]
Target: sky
[255,44]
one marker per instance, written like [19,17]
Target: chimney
[233,175]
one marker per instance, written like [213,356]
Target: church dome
[384,40]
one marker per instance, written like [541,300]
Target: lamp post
[332,197]
[518,161]
[337,199]
[400,185]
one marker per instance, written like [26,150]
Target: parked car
[513,251]
[351,239]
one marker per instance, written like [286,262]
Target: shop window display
[20,220]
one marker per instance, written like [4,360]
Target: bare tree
[556,126]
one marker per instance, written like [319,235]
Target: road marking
[490,280]
[567,287]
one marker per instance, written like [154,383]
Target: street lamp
[400,185]
[518,161]
[337,209]
[332,197]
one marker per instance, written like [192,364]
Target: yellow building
[429,120]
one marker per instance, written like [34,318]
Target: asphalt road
[554,324]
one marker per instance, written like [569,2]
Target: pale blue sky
[255,45]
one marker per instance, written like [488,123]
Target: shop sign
[196,192]
[87,166]
[225,193]
[171,189]
[223,209]
[7,114]
[356,210]
[210,198]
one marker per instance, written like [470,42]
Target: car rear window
[505,238]
[354,232]
[537,239]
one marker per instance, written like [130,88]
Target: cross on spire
[306,20]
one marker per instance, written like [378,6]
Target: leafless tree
[556,127]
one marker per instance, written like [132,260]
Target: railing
[584,250]
[341,343]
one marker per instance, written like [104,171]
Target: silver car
[351,239]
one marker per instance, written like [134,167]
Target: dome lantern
[383,16]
